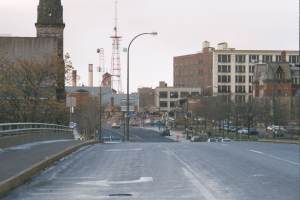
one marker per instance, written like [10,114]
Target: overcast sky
[182,25]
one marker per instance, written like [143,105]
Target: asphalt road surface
[171,171]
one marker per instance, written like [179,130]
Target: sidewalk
[14,160]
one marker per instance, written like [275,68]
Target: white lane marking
[275,157]
[194,177]
[123,150]
[206,193]
[106,183]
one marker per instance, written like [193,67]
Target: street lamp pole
[128,62]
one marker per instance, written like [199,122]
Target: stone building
[47,47]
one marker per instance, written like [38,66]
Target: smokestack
[91,74]
[74,78]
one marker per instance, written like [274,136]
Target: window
[224,79]
[224,68]
[224,89]
[240,89]
[193,94]
[163,104]
[278,58]
[224,58]
[174,95]
[172,104]
[253,58]
[240,68]
[250,79]
[240,99]
[184,94]
[163,95]
[279,74]
[251,68]
[267,58]
[250,89]
[240,79]
[240,58]
[294,59]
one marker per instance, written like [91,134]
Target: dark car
[165,132]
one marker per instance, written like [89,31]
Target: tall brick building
[195,70]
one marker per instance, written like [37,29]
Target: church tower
[50,25]
[50,21]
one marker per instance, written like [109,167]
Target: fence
[13,129]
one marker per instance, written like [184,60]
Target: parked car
[115,125]
[246,131]
[212,140]
[226,140]
[199,138]
[165,132]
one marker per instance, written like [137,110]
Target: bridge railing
[10,129]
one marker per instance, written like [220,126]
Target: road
[170,170]
[13,160]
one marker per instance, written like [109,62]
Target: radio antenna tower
[115,59]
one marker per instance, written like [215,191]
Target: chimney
[74,78]
[283,56]
[205,44]
[223,46]
[91,74]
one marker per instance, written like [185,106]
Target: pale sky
[182,25]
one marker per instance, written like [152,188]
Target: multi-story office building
[224,70]
[233,69]
[166,98]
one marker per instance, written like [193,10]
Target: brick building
[195,70]
[146,98]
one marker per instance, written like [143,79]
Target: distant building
[166,98]
[195,70]
[146,99]
[110,98]
[272,79]
[224,70]
[44,49]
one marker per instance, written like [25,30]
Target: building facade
[166,98]
[195,70]
[233,70]
[147,99]
[224,70]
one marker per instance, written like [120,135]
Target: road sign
[71,102]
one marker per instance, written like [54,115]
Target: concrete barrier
[14,140]
[26,175]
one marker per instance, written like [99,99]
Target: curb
[26,175]
[280,141]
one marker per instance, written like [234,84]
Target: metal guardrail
[8,129]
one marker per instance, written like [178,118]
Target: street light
[127,99]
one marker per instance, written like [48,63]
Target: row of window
[238,89]
[238,68]
[175,95]
[226,58]
[164,104]
[238,79]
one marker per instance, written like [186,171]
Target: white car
[115,125]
